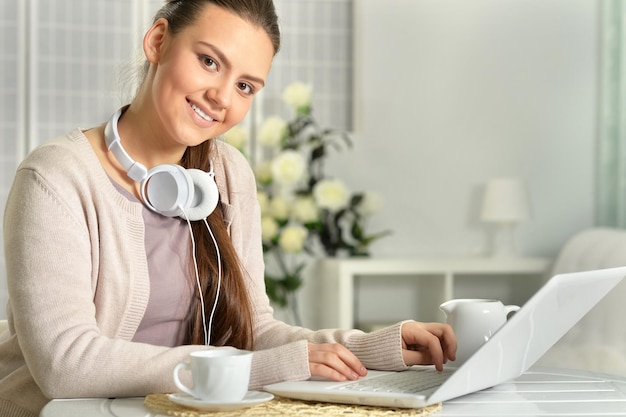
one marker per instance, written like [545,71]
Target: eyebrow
[228,64]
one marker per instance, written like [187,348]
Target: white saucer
[251,398]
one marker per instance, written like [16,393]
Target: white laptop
[526,336]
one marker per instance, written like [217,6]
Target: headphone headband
[135,170]
[168,189]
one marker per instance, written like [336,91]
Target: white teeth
[201,113]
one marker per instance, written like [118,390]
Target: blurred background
[440,97]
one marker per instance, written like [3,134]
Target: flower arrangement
[305,214]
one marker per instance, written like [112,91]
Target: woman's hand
[335,362]
[427,344]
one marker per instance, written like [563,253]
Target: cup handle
[177,381]
[510,309]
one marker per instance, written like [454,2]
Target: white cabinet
[335,282]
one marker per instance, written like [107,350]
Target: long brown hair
[233,324]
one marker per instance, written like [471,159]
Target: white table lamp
[506,204]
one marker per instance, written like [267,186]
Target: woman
[107,293]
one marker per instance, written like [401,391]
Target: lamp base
[503,243]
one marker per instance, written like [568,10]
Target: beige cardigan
[78,287]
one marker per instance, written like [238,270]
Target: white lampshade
[506,201]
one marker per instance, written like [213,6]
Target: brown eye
[246,88]
[208,62]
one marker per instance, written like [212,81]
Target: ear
[154,40]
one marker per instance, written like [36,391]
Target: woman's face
[205,76]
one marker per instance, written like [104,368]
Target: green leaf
[274,292]
[357,231]
[356,199]
[318,152]
[291,282]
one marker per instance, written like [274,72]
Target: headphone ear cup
[205,195]
[166,188]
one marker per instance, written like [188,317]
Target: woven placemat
[280,407]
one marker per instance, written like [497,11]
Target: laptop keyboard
[409,382]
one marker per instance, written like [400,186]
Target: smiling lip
[198,111]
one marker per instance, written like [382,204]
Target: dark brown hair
[182,13]
[233,317]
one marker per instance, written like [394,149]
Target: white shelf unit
[437,279]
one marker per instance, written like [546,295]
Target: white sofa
[598,341]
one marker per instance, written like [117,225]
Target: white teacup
[219,375]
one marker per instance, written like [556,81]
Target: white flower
[305,210]
[264,201]
[263,172]
[370,204]
[269,228]
[289,167]
[331,194]
[236,136]
[298,95]
[279,208]
[272,131]
[292,238]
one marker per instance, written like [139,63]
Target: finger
[320,370]
[349,359]
[445,333]
[337,357]
[449,343]
[417,357]
[447,339]
[432,351]
[435,350]
[327,365]
[446,336]
[424,339]
[335,362]
[424,357]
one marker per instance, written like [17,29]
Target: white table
[539,392]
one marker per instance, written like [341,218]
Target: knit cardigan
[78,287]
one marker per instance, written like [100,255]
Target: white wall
[450,93]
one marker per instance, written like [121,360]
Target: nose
[220,95]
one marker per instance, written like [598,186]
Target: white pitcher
[474,322]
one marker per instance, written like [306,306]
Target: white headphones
[168,189]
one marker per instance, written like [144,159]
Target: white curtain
[611,157]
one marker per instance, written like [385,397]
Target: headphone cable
[207,334]
[219,274]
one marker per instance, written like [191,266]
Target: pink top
[171,292]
